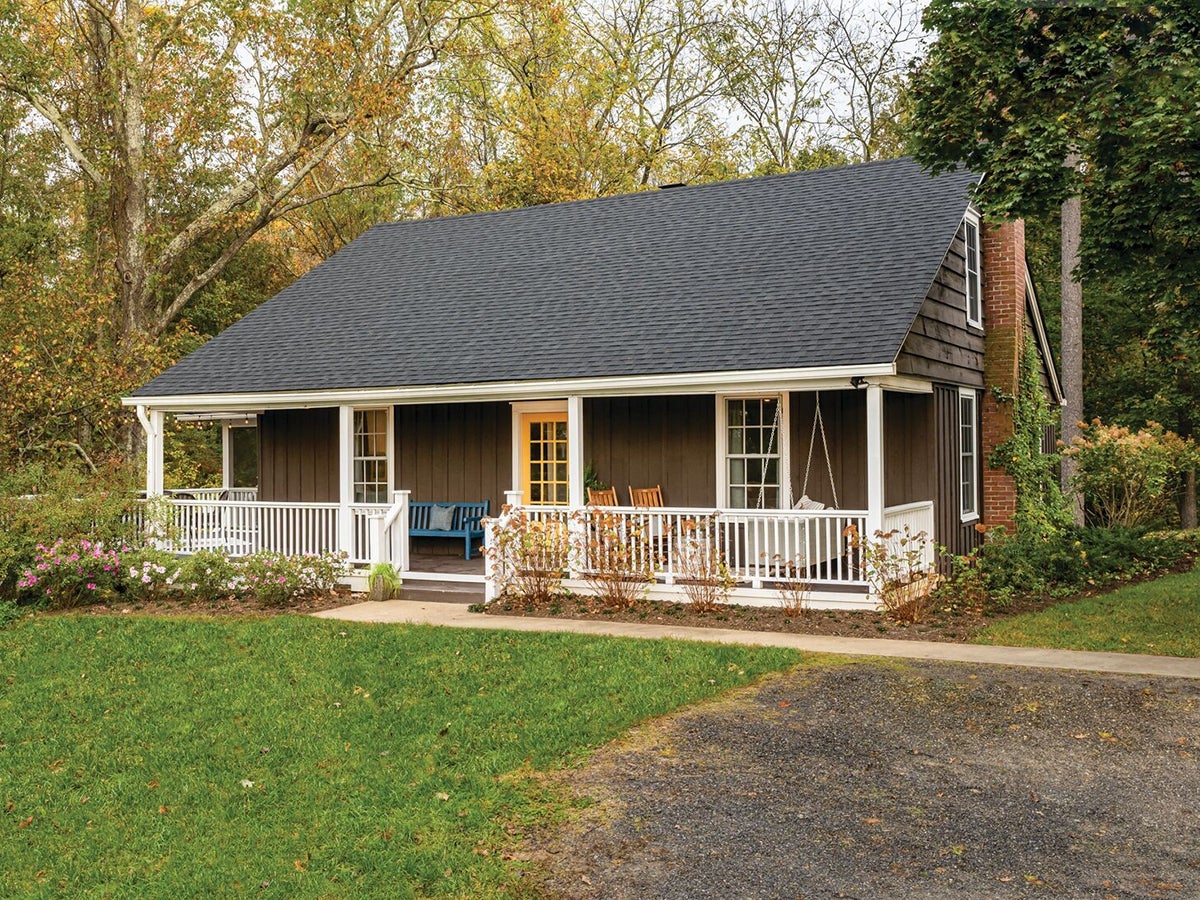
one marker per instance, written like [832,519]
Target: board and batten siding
[644,441]
[298,455]
[958,537]
[941,346]
[454,452]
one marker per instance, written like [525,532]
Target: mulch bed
[230,606]
[954,625]
[950,623]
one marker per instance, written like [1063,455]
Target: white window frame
[389,485]
[974,285]
[783,445]
[968,505]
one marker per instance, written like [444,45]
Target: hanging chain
[762,482]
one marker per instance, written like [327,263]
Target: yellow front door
[544,458]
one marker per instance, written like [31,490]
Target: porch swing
[818,426]
[804,502]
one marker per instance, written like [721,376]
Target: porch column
[345,478]
[152,424]
[575,495]
[874,460]
[226,456]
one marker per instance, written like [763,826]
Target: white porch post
[514,498]
[398,529]
[575,493]
[226,456]
[874,460]
[152,424]
[346,478]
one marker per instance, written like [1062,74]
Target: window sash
[370,462]
[968,455]
[753,461]
[974,280]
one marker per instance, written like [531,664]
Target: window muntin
[370,456]
[546,479]
[968,455]
[752,454]
[974,278]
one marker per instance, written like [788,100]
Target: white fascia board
[816,378]
[1039,331]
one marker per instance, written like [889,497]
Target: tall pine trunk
[1072,341]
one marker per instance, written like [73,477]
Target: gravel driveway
[889,780]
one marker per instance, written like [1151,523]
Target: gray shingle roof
[816,268]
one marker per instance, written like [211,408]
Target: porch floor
[444,564]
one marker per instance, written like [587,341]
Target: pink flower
[91,585]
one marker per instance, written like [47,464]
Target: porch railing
[757,546]
[240,527]
[919,519]
[244,494]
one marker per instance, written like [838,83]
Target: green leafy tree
[1020,92]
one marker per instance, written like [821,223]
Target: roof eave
[809,378]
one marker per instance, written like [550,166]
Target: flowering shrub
[275,579]
[68,573]
[1128,477]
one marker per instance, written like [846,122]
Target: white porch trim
[741,381]
[345,478]
[875,458]
[152,423]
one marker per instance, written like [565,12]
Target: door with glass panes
[544,458]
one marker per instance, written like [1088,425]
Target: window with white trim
[974,278]
[370,455]
[968,454]
[753,428]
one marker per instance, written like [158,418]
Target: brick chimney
[1003,270]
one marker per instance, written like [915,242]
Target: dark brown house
[801,353]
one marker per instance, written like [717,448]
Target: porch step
[442,592]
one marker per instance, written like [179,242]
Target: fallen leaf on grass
[442,795]
[25,823]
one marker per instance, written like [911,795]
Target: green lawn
[301,757]
[1160,617]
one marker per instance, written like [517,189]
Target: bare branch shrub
[700,568]
[617,558]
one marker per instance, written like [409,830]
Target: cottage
[802,352]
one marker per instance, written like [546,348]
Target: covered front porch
[859,450]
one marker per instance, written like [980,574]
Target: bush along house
[780,363]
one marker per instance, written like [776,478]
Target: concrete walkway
[456,615]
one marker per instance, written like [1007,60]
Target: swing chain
[819,423]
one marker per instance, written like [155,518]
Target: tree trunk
[1072,342]
[1187,509]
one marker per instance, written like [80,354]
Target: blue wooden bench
[464,522]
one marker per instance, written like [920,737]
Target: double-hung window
[753,429]
[371,455]
[974,278]
[968,454]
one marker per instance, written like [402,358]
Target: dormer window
[974,281]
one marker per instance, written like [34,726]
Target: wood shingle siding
[941,346]
[643,441]
[298,455]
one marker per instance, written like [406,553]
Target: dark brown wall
[298,455]
[454,451]
[941,346]
[957,537]
[845,416]
[644,441]
[908,470]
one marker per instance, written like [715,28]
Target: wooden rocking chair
[646,498]
[602,497]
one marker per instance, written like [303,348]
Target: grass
[294,757]
[1156,617]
